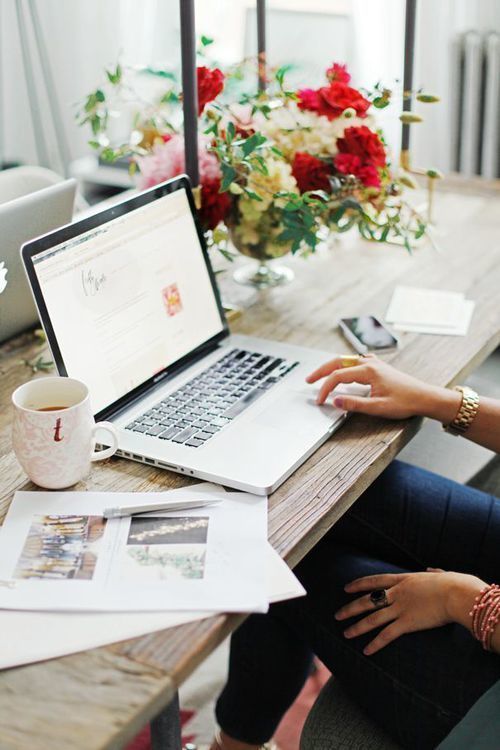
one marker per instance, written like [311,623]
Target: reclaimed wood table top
[101,698]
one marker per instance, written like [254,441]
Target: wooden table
[101,698]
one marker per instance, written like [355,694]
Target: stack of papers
[90,582]
[429,311]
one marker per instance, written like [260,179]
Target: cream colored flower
[279,178]
[293,129]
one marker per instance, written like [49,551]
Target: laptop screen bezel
[59,236]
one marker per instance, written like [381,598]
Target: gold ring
[350,360]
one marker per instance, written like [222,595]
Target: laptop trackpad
[297,411]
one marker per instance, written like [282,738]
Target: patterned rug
[198,695]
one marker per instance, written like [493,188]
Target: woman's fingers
[324,370]
[357,374]
[362,404]
[375,620]
[363,604]
[379,581]
[386,636]
[337,363]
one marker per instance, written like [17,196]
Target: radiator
[475,131]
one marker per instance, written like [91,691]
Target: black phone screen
[370,332]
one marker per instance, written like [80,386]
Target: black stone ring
[379,598]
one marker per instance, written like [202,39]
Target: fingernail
[367,651]
[347,634]
[338,402]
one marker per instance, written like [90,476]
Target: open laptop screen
[129,297]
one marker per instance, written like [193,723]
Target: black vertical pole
[409,57]
[261,43]
[189,89]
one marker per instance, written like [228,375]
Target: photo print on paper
[162,530]
[167,549]
[172,299]
[61,547]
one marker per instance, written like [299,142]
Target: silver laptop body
[21,220]
[130,306]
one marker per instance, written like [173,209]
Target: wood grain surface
[101,698]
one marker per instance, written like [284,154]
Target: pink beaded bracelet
[486,614]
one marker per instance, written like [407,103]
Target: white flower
[3,274]
[278,178]
[293,129]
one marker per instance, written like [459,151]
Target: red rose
[369,176]
[311,173]
[308,99]
[214,205]
[210,84]
[332,100]
[338,72]
[337,97]
[347,163]
[351,163]
[364,143]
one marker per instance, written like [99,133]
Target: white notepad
[425,307]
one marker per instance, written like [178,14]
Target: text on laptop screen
[130,297]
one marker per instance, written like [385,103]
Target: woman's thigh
[414,518]
[417,687]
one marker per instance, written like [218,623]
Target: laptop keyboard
[201,408]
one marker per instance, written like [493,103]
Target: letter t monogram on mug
[54,432]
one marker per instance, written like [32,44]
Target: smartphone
[367,334]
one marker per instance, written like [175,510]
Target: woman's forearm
[443,404]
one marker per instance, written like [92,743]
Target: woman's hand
[416,601]
[394,394]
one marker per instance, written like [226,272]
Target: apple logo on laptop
[3,274]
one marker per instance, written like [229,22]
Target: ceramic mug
[54,431]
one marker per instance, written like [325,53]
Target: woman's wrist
[441,404]
[461,594]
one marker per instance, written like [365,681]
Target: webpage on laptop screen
[129,298]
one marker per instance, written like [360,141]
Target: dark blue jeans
[418,687]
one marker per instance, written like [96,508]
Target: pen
[129,510]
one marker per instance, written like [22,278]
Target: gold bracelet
[466,413]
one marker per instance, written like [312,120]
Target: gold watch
[466,413]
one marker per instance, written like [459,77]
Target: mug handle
[107,452]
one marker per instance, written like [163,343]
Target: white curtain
[84,36]
[379,43]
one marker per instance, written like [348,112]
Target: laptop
[129,303]
[22,219]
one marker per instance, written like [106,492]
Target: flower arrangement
[275,167]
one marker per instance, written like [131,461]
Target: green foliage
[115,77]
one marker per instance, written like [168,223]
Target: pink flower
[166,160]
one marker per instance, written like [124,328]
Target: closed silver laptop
[21,220]
[130,306]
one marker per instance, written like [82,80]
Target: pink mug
[54,432]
